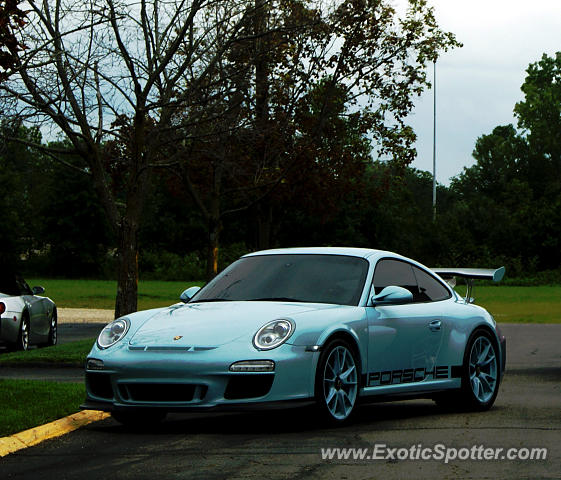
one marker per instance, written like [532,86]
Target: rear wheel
[23,336]
[53,330]
[480,375]
[337,382]
[480,380]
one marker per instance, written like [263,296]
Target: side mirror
[38,290]
[188,294]
[392,295]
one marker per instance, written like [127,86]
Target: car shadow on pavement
[275,421]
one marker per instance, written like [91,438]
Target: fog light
[253,366]
[94,364]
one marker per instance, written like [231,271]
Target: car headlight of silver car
[113,332]
[273,334]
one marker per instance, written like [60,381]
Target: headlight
[273,334]
[113,332]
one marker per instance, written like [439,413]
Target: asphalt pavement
[287,444]
[70,332]
[67,332]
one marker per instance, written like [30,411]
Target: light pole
[434,144]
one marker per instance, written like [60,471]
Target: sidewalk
[84,315]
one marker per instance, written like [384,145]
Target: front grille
[169,348]
[161,392]
[99,385]
[248,386]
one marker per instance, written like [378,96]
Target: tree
[296,54]
[510,199]
[21,178]
[109,78]
[496,198]
[539,118]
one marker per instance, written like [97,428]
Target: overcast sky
[478,85]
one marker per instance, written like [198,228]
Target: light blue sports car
[326,325]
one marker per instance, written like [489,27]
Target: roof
[350,251]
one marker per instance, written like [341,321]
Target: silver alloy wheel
[340,384]
[53,336]
[483,369]
[24,334]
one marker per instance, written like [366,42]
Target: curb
[34,436]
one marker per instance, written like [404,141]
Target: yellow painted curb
[36,435]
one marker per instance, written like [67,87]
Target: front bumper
[197,381]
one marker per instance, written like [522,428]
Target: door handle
[435,325]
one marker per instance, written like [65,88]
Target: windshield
[13,285]
[337,279]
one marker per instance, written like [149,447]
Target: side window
[394,272]
[430,289]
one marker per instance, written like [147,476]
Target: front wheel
[337,382]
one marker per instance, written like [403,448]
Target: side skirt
[415,389]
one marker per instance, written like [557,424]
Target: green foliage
[509,201]
[503,210]
[23,192]
[51,218]
[70,214]
[29,403]
[539,117]
[163,265]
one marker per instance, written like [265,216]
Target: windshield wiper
[212,300]
[274,299]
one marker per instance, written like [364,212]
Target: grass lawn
[73,353]
[506,303]
[28,403]
[101,293]
[521,304]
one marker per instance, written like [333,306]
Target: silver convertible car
[330,326]
[26,318]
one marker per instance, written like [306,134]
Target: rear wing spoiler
[469,274]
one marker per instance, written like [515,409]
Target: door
[38,315]
[404,340]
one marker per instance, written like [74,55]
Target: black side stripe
[456,371]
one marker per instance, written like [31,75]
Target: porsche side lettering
[390,377]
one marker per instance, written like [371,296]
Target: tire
[53,330]
[337,382]
[139,418]
[480,376]
[23,335]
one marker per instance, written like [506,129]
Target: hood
[213,324]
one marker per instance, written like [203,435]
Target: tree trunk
[262,81]
[127,282]
[214,227]
[264,224]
